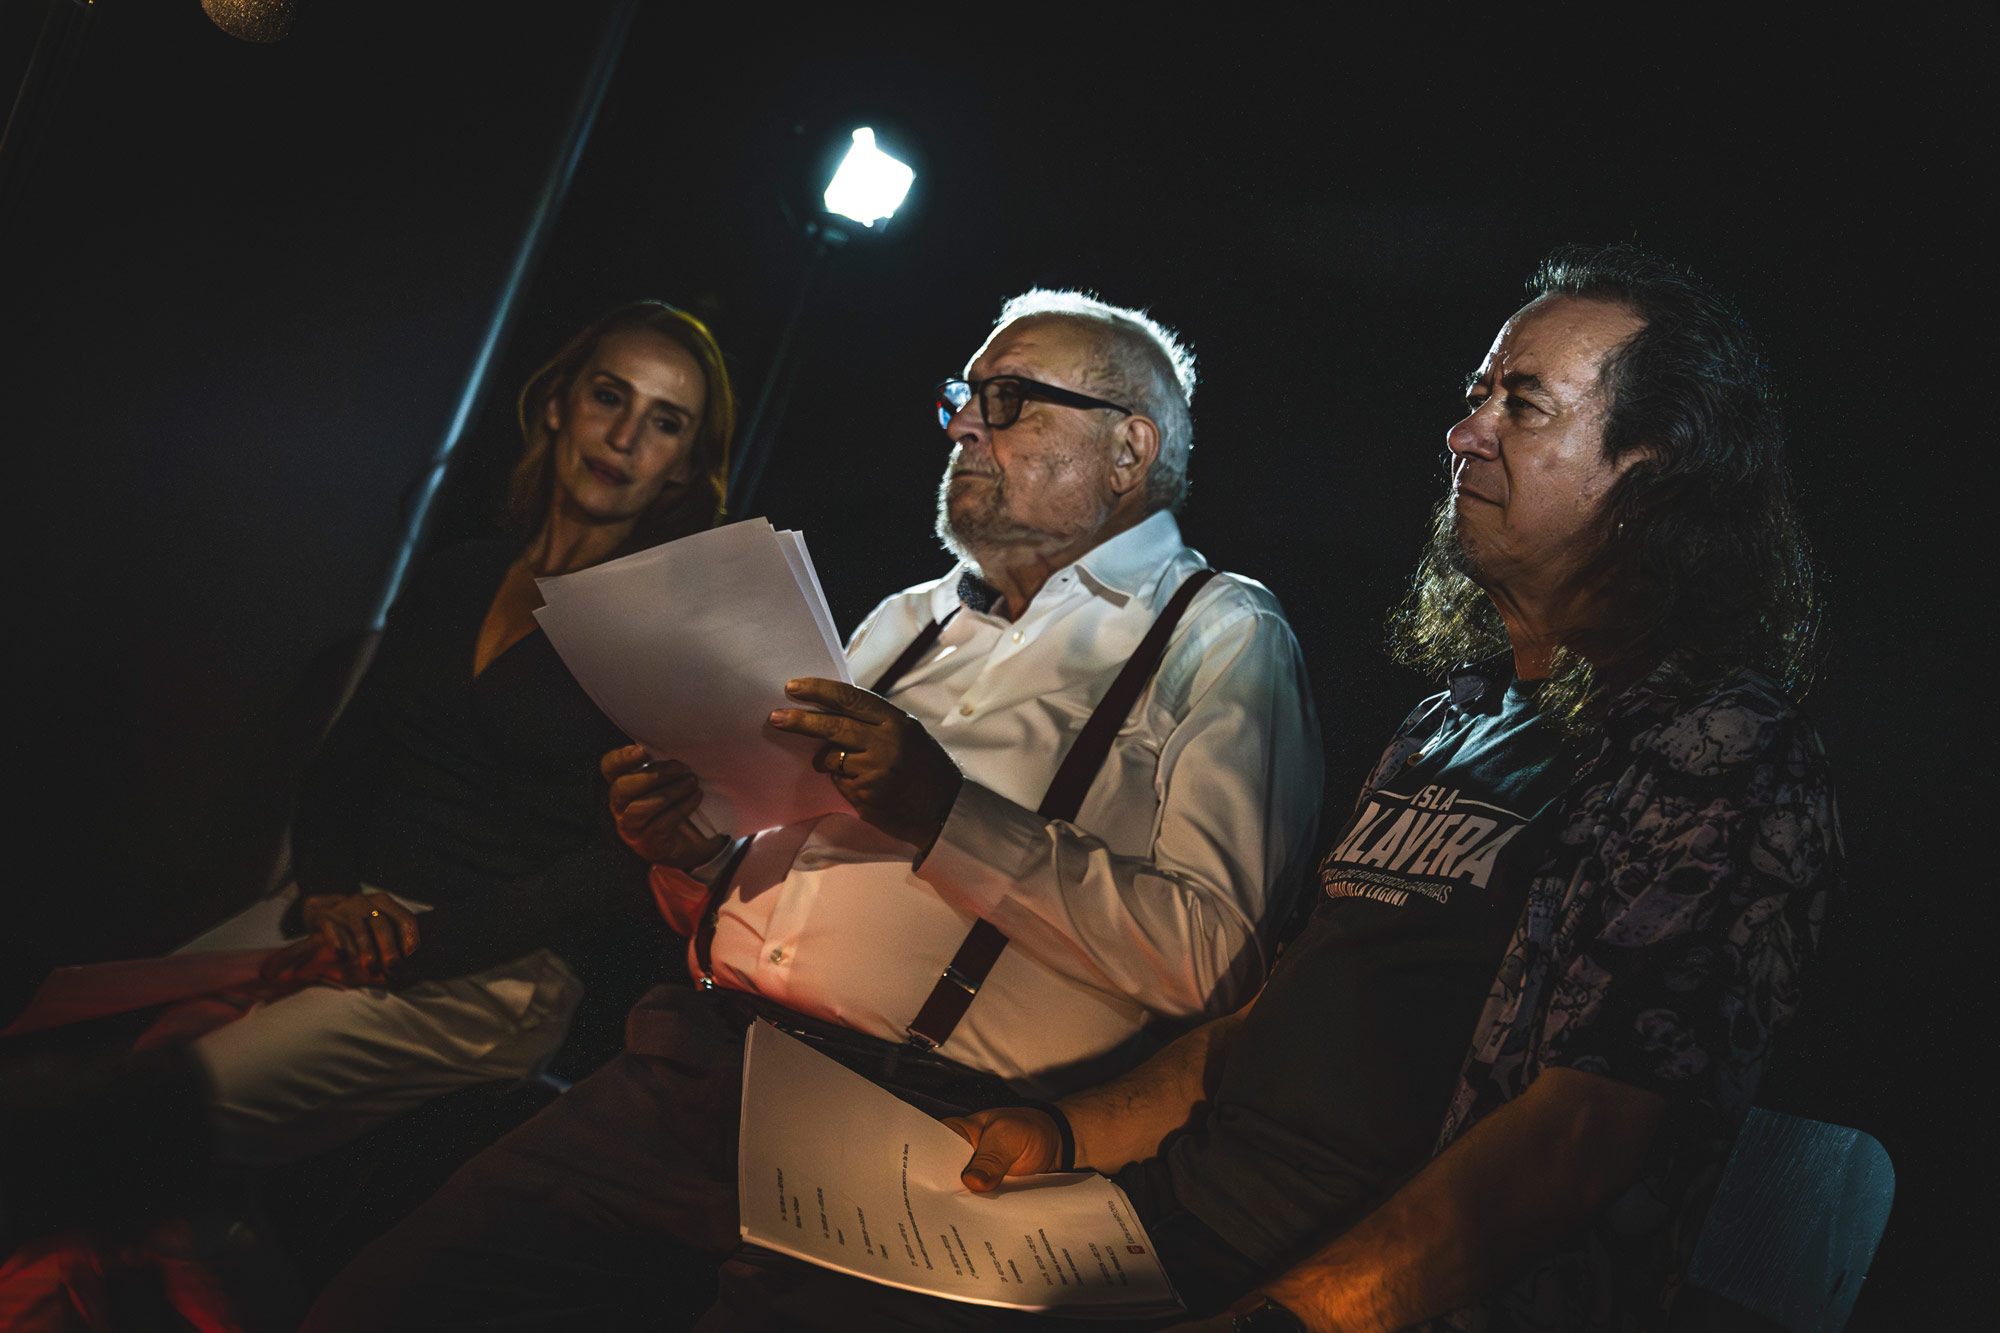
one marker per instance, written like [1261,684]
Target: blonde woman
[463,778]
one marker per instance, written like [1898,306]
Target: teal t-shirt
[1337,1084]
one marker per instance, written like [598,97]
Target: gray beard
[985,535]
[986,531]
[947,533]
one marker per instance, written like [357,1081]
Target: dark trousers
[615,1209]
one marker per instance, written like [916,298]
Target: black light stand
[747,468]
[533,238]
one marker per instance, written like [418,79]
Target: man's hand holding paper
[1009,1141]
[687,647]
[869,1185]
[892,771]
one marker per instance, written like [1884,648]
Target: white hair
[1142,365]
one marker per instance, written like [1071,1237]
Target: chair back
[1795,1221]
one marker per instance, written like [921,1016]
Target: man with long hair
[1493,1081]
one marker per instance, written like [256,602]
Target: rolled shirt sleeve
[1184,927]
[1158,903]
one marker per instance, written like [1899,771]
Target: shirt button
[777,955]
[965,710]
[1017,636]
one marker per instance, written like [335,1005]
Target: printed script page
[836,1171]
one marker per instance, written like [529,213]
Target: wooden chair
[1793,1226]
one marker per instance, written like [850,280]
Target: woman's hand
[653,804]
[1011,1141]
[371,930]
[880,758]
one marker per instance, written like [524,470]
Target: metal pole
[748,467]
[589,98]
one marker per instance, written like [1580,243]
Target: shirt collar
[1118,569]
[1481,683]
[1123,566]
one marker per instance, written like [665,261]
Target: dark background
[244,287]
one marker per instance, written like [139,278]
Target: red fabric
[680,898]
[61,1284]
[213,987]
[53,1286]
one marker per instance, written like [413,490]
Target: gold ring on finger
[840,764]
[374,911]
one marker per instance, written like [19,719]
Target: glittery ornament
[253,20]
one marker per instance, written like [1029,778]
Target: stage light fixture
[870,185]
[867,187]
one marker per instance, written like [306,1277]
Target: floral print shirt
[1661,945]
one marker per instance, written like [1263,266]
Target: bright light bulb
[870,184]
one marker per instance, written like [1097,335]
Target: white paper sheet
[794,545]
[836,1171]
[687,647]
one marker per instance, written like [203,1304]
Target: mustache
[969,460]
[961,466]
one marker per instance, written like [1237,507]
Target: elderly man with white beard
[1086,777]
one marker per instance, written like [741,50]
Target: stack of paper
[833,1170]
[687,648]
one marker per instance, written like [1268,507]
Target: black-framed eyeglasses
[1002,396]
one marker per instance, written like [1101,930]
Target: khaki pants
[324,1065]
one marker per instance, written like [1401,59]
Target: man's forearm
[1128,1118]
[1178,925]
[1518,1182]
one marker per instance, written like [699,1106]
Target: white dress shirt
[1153,910]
